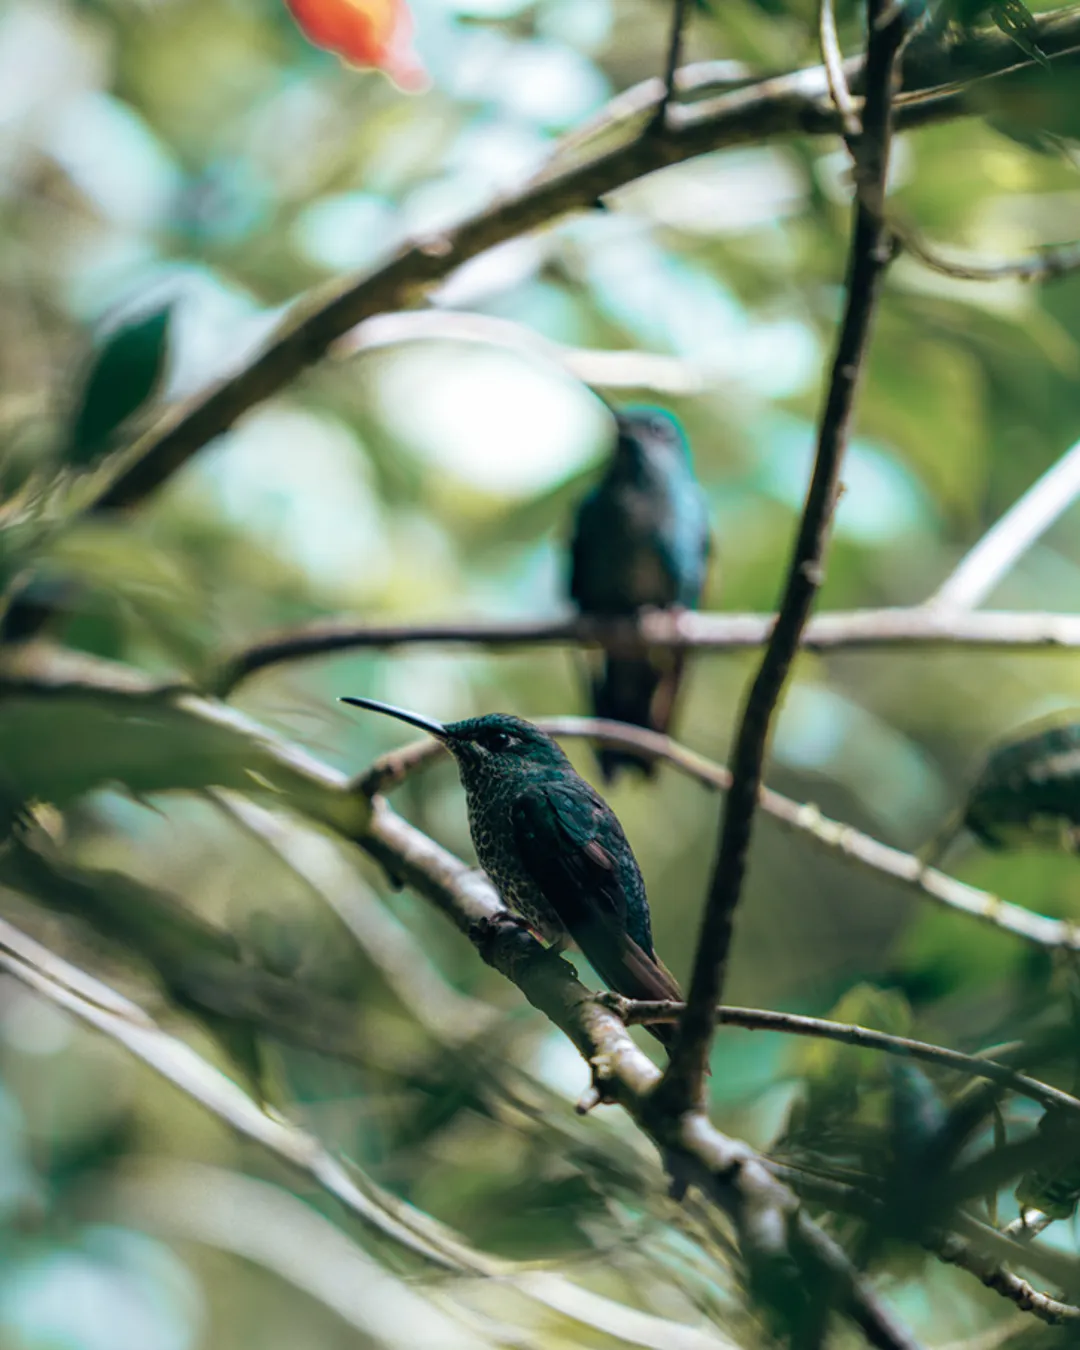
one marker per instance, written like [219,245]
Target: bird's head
[649,435]
[497,746]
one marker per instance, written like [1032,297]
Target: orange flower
[364,33]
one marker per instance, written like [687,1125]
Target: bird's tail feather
[641,691]
[631,971]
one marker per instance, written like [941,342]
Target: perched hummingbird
[553,848]
[641,540]
[1027,792]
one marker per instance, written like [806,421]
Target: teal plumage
[553,848]
[641,541]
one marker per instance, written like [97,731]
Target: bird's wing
[557,833]
[687,543]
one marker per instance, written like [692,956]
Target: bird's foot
[608,998]
[495,928]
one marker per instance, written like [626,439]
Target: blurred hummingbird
[1027,792]
[553,848]
[641,540]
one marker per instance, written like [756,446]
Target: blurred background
[197,158]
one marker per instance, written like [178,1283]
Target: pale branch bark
[599,368]
[97,1004]
[1028,1224]
[273,1228]
[94,1002]
[788,105]
[1022,525]
[448,1016]
[771,1225]
[642,1013]
[916,626]
[833,60]
[1047,263]
[726,1170]
[870,254]
[958,1251]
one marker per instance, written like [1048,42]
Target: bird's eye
[499,740]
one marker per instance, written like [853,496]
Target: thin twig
[629,369]
[198,1079]
[976,575]
[643,1013]
[833,59]
[1048,264]
[869,256]
[917,626]
[452,1018]
[958,1251]
[671,64]
[1028,1224]
[803,818]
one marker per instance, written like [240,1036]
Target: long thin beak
[402,714]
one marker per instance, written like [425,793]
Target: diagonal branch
[1022,525]
[794,104]
[803,818]
[833,60]
[871,251]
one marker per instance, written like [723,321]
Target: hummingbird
[1027,792]
[553,848]
[641,540]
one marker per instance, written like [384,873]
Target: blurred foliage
[173,175]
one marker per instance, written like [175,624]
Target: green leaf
[70,724]
[1054,1188]
[113,568]
[124,375]
[1017,22]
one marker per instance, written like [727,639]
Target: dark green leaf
[124,375]
[70,724]
[1016,21]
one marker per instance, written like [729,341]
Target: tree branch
[871,251]
[958,1251]
[97,1004]
[917,626]
[41,671]
[127,1024]
[1047,264]
[803,818]
[599,368]
[1022,525]
[794,104]
[833,60]
[671,64]
[643,1013]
